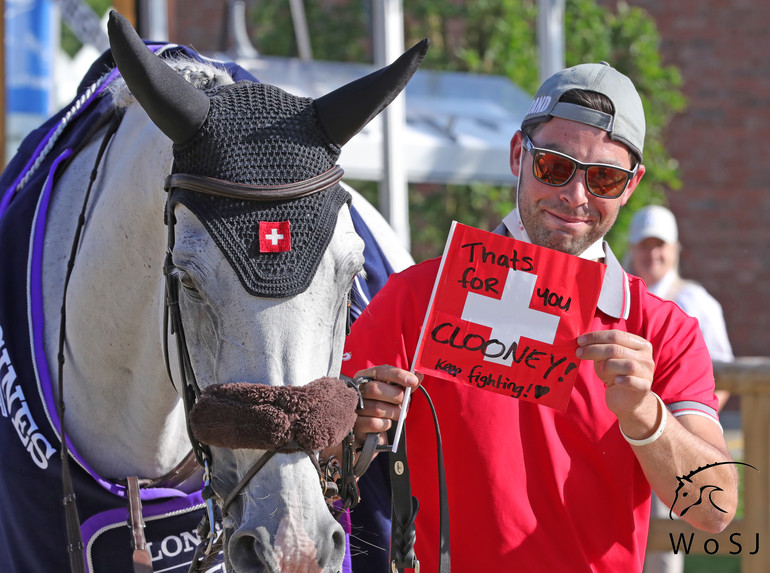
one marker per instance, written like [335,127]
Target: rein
[185,469]
[404,506]
[74,536]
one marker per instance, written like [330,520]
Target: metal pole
[301,30]
[388,43]
[550,37]
[236,15]
[153,20]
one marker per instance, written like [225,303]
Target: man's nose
[574,192]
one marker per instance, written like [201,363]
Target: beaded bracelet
[656,434]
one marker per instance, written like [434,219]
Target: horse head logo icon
[692,494]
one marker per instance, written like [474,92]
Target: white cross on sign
[510,317]
[274,236]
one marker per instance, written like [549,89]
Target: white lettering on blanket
[14,406]
[174,545]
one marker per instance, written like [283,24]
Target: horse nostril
[250,551]
[338,538]
[339,546]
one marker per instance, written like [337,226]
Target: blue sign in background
[29,53]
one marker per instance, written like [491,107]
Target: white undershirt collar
[614,299]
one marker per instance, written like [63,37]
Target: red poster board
[504,316]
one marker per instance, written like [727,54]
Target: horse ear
[345,111]
[173,104]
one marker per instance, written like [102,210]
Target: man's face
[652,258]
[568,218]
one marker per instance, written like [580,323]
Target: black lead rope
[404,506]
[72,519]
[403,512]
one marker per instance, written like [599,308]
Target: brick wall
[722,143]
[200,24]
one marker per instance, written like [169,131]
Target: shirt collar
[614,298]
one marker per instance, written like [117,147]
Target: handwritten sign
[504,316]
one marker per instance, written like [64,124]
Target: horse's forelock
[202,75]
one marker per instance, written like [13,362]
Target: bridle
[338,478]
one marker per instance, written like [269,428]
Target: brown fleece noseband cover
[286,418]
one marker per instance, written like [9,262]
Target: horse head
[261,257]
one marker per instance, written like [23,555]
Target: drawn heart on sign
[541,391]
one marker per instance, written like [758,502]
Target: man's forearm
[689,468]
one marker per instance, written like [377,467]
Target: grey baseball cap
[627,125]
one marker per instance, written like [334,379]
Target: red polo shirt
[532,488]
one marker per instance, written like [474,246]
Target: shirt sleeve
[388,329]
[684,376]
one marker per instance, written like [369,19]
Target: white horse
[123,416]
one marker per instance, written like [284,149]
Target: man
[532,488]
[654,256]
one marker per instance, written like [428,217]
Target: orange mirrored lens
[606,181]
[553,169]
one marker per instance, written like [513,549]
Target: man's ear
[516,149]
[632,184]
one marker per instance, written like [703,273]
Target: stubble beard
[544,236]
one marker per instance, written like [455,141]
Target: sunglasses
[556,169]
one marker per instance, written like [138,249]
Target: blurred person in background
[654,257]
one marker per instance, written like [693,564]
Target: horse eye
[188,284]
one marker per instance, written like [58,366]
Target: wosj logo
[692,492]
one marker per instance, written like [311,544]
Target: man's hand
[623,361]
[383,397]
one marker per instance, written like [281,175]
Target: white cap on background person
[653,221]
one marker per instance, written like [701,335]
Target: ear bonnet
[252,139]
